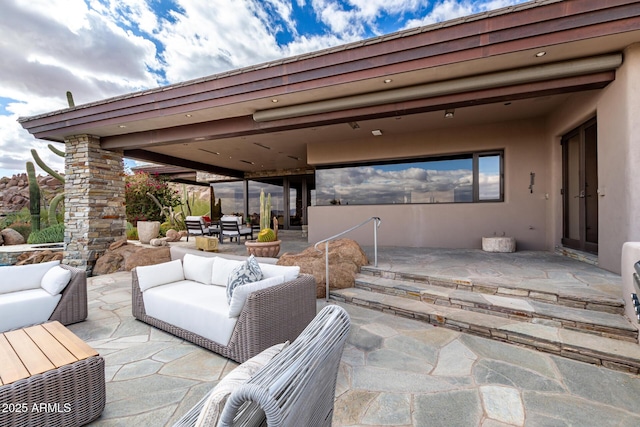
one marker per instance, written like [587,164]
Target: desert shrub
[53,234]
[22,216]
[141,207]
[131,231]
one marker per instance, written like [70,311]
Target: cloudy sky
[102,48]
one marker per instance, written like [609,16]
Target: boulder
[124,257]
[118,243]
[345,259]
[12,237]
[36,257]
[147,256]
[173,235]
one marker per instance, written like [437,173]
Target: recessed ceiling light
[122,126]
[449,114]
[209,151]
[274,100]
[541,54]
[387,81]
[354,125]
[200,138]
[376,132]
[294,157]
[247,162]
[188,115]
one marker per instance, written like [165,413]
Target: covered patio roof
[513,63]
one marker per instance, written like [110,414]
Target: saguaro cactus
[34,197]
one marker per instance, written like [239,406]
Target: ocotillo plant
[34,197]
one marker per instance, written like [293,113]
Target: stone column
[94,200]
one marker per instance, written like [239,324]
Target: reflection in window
[489,177]
[230,195]
[438,180]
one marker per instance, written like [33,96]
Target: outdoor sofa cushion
[23,277]
[55,280]
[198,268]
[150,276]
[222,269]
[289,272]
[26,308]
[241,293]
[247,272]
[192,306]
[212,408]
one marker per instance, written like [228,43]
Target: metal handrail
[377,222]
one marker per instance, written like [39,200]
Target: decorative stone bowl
[263,249]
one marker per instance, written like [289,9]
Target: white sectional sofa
[188,298]
[35,293]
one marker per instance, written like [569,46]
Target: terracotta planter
[263,249]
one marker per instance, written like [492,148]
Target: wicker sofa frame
[72,307]
[270,316]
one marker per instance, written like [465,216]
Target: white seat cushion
[23,277]
[193,306]
[26,308]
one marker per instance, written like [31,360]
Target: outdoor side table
[49,377]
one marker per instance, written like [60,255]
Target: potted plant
[267,243]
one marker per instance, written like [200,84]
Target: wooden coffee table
[49,376]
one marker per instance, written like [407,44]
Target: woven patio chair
[297,387]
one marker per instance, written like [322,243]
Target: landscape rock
[12,237]
[125,257]
[345,259]
[14,191]
[173,235]
[159,242]
[36,257]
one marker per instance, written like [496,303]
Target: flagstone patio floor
[394,372]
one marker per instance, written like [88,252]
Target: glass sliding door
[580,185]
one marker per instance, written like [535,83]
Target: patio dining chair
[197,227]
[233,230]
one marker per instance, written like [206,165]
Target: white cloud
[102,48]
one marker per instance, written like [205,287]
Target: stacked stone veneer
[94,200]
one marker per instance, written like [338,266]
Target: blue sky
[98,49]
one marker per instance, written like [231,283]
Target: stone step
[523,309]
[584,298]
[608,352]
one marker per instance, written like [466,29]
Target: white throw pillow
[212,409]
[159,274]
[198,268]
[241,293]
[247,272]
[55,280]
[290,272]
[222,269]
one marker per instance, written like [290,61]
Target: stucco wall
[456,225]
[618,162]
